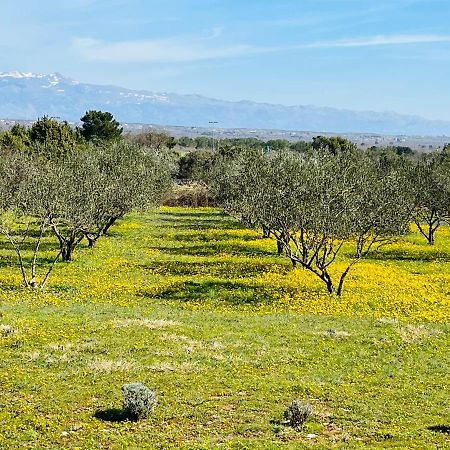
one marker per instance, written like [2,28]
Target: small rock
[311,436]
[64,433]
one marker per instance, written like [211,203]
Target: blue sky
[379,55]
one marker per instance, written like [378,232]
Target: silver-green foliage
[105,183]
[138,400]
[74,195]
[432,193]
[297,413]
[313,203]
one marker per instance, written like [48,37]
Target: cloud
[190,49]
[375,41]
[160,50]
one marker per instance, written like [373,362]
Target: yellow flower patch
[201,258]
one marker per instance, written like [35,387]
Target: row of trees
[196,165]
[429,173]
[72,192]
[206,142]
[334,198]
[60,137]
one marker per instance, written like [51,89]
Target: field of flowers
[227,333]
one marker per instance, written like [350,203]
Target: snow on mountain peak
[49,80]
[54,77]
[17,74]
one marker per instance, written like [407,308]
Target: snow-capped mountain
[26,96]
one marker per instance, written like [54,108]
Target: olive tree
[104,183]
[313,204]
[196,165]
[129,177]
[27,196]
[432,193]
[75,206]
[153,139]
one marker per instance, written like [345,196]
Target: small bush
[138,400]
[297,413]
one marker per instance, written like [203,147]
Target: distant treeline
[196,164]
[98,125]
[206,142]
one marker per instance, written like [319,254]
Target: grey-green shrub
[297,413]
[138,400]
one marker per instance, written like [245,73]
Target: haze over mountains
[27,96]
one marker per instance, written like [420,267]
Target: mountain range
[27,96]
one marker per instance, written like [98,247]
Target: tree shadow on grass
[233,269]
[204,224]
[213,249]
[114,415]
[30,246]
[43,262]
[236,293]
[197,220]
[9,287]
[8,261]
[228,236]
[440,429]
[190,213]
[416,256]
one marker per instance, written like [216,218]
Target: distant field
[227,334]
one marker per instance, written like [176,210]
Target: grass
[204,312]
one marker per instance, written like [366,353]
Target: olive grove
[73,196]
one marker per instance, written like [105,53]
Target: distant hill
[27,96]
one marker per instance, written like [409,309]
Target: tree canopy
[314,203]
[75,196]
[46,136]
[432,193]
[100,125]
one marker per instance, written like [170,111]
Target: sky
[377,55]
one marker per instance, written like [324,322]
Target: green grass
[206,314]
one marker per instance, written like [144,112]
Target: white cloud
[160,50]
[190,49]
[374,41]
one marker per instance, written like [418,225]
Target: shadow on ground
[414,256]
[232,292]
[193,220]
[224,269]
[440,429]
[212,249]
[114,415]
